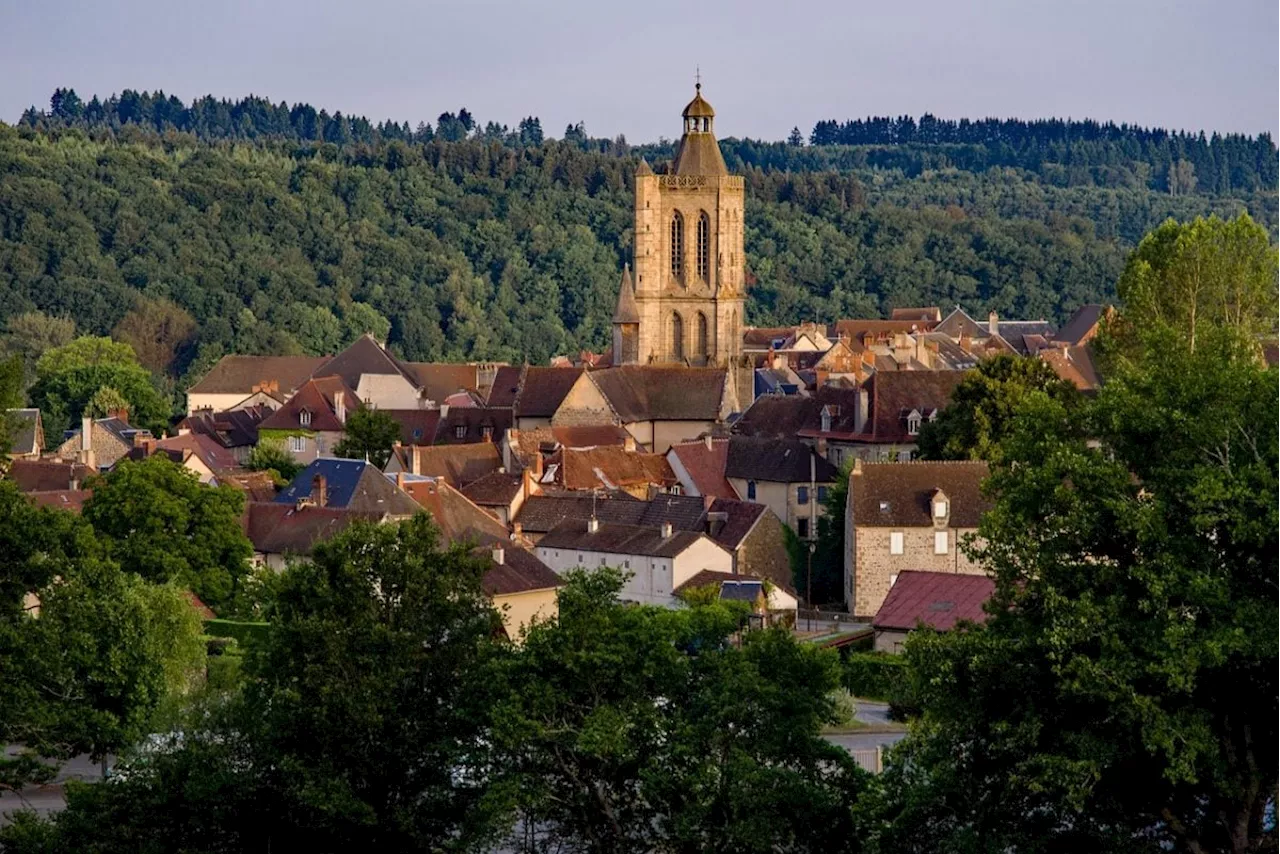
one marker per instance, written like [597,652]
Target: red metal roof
[937,599]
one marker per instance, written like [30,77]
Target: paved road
[871,712]
[48,798]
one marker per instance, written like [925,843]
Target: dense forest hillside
[261,228]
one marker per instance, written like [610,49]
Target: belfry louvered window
[704,247]
[677,245]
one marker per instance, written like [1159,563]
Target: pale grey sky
[628,68]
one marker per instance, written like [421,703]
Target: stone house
[311,423]
[786,475]
[908,516]
[109,439]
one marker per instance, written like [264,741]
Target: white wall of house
[651,578]
[705,553]
[216,402]
[387,391]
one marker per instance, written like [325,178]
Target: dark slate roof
[417,426]
[364,356]
[939,600]
[540,513]
[617,538]
[901,494]
[653,393]
[506,382]
[46,475]
[317,397]
[775,460]
[784,417]
[520,572]
[239,374]
[542,390]
[350,484]
[699,154]
[474,421]
[235,428]
[894,393]
[496,489]
[1086,317]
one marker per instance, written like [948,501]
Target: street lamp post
[808,584]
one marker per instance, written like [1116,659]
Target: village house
[197,453]
[658,560]
[785,475]
[312,422]
[101,442]
[699,466]
[929,600]
[908,516]
[540,393]
[502,493]
[234,378]
[829,418]
[236,430]
[769,605]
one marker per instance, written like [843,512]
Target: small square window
[895,543]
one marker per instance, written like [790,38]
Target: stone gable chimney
[320,490]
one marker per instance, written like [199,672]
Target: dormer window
[460,432]
[304,417]
[913,423]
[940,509]
[826,420]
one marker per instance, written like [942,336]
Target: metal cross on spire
[697,77]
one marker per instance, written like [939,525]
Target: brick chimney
[340,407]
[120,412]
[993,323]
[665,530]
[320,490]
[593,525]
[862,413]
[629,444]
[400,480]
[85,454]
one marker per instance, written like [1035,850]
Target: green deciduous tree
[635,728]
[159,332]
[270,455]
[158,520]
[86,351]
[368,434]
[828,556]
[89,651]
[982,408]
[33,333]
[105,401]
[1123,694]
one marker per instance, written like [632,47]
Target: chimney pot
[629,444]
[499,555]
[593,525]
[665,530]
[993,323]
[400,479]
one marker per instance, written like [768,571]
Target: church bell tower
[684,303]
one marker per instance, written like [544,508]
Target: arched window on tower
[677,336]
[704,247]
[700,336]
[677,246]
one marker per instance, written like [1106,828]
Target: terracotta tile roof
[46,475]
[317,397]
[542,390]
[214,455]
[239,374]
[477,425]
[364,356]
[283,529]
[776,460]
[235,428]
[458,519]
[349,484]
[506,382]
[417,426]
[458,465]
[617,538]
[612,466]
[705,465]
[520,572]
[256,485]
[895,394]
[901,494]
[496,489]
[856,331]
[438,380]
[1075,365]
[650,393]
[65,499]
[938,600]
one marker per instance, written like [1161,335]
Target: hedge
[875,675]
[244,632]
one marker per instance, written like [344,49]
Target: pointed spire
[626,312]
[643,170]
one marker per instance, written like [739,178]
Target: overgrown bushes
[244,632]
[874,675]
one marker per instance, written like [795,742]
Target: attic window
[460,432]
[913,423]
[826,421]
[884,506]
[939,509]
[304,417]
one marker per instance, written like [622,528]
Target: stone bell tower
[685,302]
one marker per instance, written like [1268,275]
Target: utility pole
[808,584]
